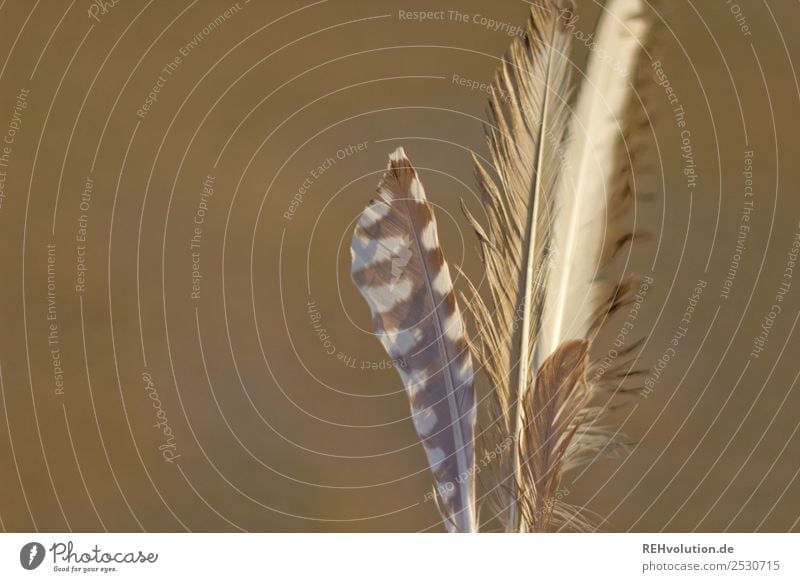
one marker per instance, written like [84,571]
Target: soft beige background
[273,433]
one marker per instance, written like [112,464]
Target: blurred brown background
[246,406]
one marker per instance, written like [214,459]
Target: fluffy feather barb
[400,270]
[553,413]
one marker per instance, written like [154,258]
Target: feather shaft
[530,270]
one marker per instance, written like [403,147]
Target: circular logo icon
[31,555]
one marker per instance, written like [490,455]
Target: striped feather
[399,268]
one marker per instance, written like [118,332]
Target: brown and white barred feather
[400,269]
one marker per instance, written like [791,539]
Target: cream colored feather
[588,198]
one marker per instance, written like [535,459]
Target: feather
[399,267]
[552,417]
[595,192]
[549,232]
[589,199]
[529,110]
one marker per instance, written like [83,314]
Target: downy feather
[552,414]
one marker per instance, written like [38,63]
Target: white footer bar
[406,557]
